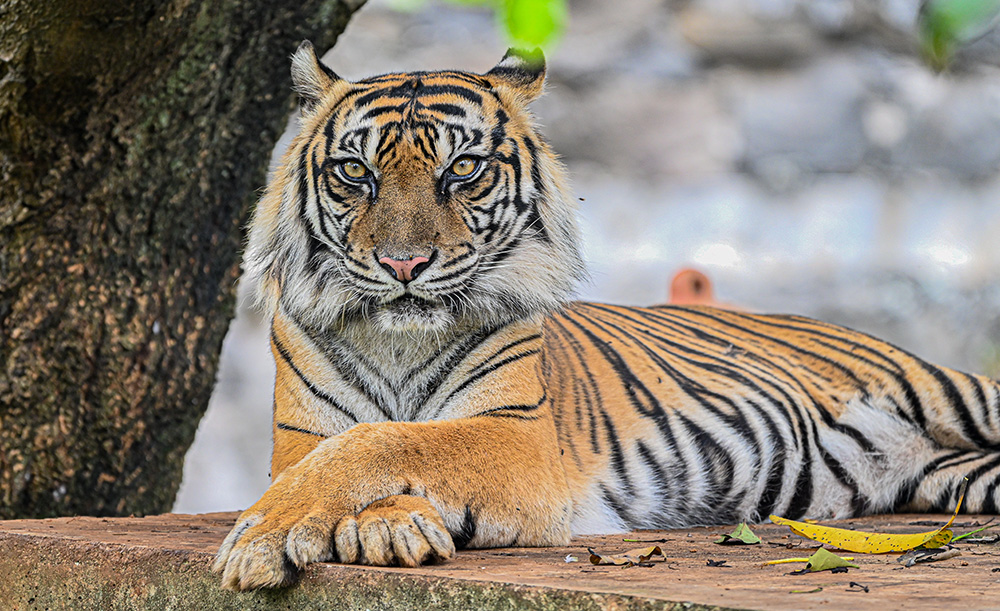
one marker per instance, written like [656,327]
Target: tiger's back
[672,416]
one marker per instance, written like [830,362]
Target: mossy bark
[133,137]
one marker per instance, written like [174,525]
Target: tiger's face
[417,201]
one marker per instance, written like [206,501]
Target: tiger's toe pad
[402,530]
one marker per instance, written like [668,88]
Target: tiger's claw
[248,561]
[403,530]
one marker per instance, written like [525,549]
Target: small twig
[645,540]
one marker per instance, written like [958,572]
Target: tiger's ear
[523,70]
[310,78]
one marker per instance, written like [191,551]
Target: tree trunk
[133,136]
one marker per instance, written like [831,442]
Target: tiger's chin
[408,314]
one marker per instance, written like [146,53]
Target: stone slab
[162,562]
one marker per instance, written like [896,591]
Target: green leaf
[824,560]
[534,23]
[741,536]
[947,24]
[978,530]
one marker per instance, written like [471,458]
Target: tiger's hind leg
[960,415]
[882,461]
[937,489]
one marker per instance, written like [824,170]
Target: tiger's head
[416,201]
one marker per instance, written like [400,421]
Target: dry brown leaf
[642,555]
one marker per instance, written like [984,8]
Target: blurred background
[798,152]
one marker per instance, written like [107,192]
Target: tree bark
[133,136]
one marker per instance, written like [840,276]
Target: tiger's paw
[269,550]
[402,530]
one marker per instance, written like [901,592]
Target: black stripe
[528,407]
[536,172]
[989,497]
[717,462]
[617,455]
[498,134]
[422,145]
[802,498]
[957,403]
[462,271]
[908,489]
[586,383]
[458,350]
[505,348]
[452,110]
[462,92]
[316,392]
[469,251]
[343,354]
[466,532]
[986,467]
[776,471]
[959,457]
[381,110]
[977,387]
[487,185]
[487,370]
[387,143]
[859,503]
[400,90]
[288,427]
[620,508]
[659,477]
[533,223]
[503,414]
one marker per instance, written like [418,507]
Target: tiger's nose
[404,270]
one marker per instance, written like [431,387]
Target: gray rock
[810,119]
[959,132]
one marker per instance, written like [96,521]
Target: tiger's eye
[464,166]
[353,168]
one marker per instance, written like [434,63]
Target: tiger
[437,388]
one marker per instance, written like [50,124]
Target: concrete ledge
[162,562]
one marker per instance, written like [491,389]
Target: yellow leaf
[873,543]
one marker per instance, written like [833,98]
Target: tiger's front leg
[397,492]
